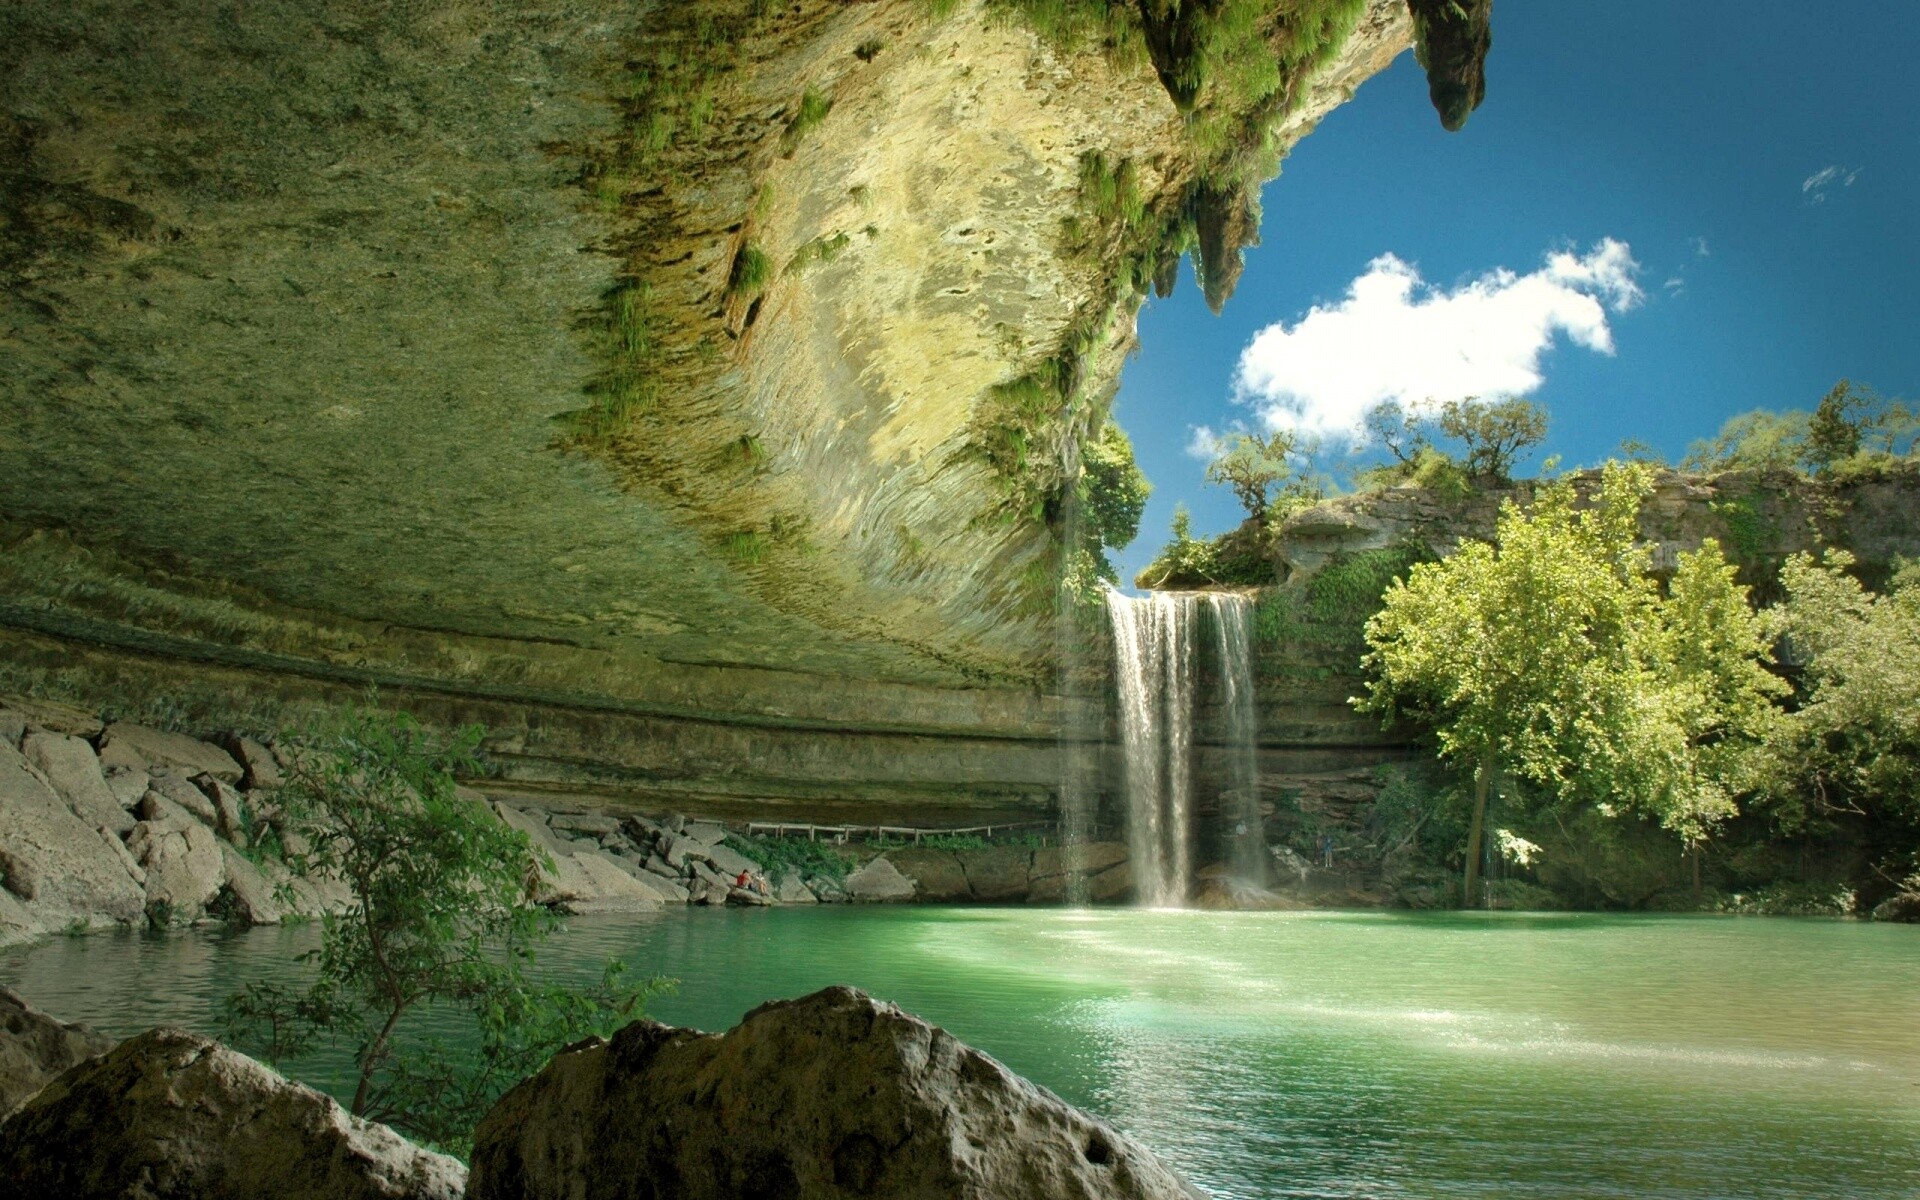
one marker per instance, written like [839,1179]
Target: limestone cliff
[677,386]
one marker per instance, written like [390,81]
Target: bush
[778,857]
[440,919]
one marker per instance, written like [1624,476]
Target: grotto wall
[686,390]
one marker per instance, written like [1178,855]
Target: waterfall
[1154,638]
[1240,808]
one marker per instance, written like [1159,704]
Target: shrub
[440,919]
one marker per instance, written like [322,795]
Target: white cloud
[1814,187]
[1203,443]
[1700,248]
[1396,337]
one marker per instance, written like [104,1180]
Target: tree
[1253,466]
[1495,433]
[1833,432]
[439,919]
[1752,441]
[1852,743]
[1400,433]
[1113,491]
[1551,654]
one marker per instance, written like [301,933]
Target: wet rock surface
[170,1115]
[35,1048]
[831,1095]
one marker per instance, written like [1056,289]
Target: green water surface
[1296,1054]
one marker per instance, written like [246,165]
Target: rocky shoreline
[109,824]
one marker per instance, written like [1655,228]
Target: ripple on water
[1298,1054]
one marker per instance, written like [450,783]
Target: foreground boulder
[831,1095]
[35,1047]
[170,1115]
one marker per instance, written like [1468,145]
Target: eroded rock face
[832,1095]
[53,861]
[34,1048]
[70,765]
[170,1115]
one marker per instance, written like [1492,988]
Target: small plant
[868,50]
[748,546]
[751,271]
[816,250]
[813,109]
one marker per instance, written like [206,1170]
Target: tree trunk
[1482,779]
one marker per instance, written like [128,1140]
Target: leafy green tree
[1495,432]
[1113,491]
[439,919]
[1752,441]
[1551,654]
[1253,466]
[1852,744]
[1408,439]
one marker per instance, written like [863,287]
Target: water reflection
[1300,1054]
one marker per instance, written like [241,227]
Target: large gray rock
[13,727]
[183,792]
[184,869]
[707,833]
[790,890]
[594,824]
[679,850]
[257,766]
[52,860]
[879,882]
[128,784]
[171,1115]
[937,875]
[731,862]
[831,1095]
[252,896]
[123,743]
[229,820]
[613,888]
[996,872]
[71,766]
[35,1047]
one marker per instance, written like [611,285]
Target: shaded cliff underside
[708,376]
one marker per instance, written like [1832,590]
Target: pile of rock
[104,824]
[602,863]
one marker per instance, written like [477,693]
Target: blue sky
[1693,135]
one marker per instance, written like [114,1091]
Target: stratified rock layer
[173,1116]
[831,1095]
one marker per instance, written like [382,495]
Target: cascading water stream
[1154,639]
[1246,847]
